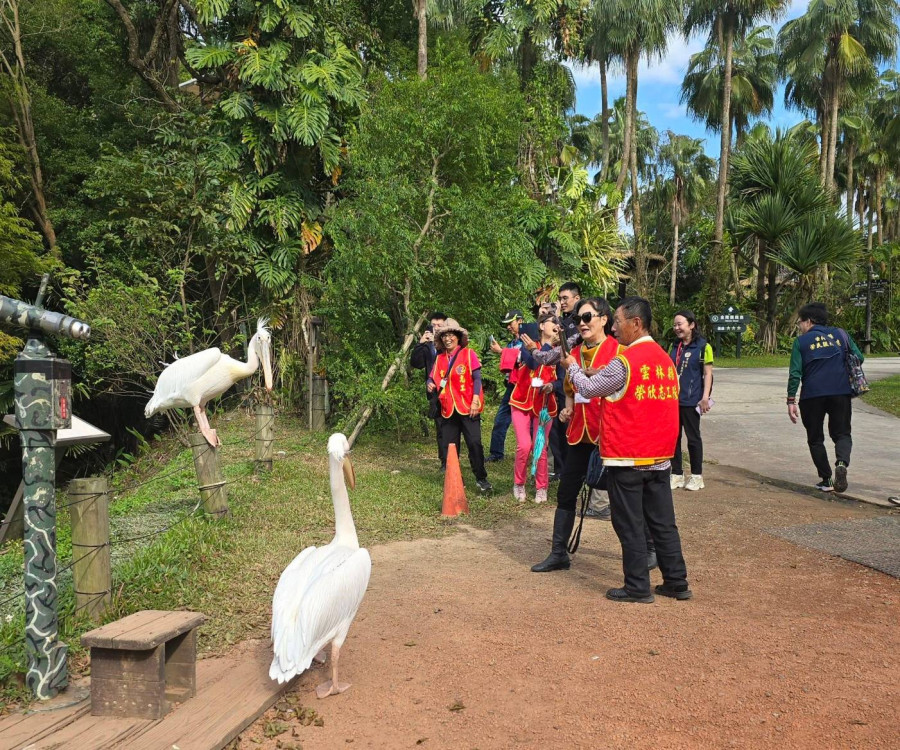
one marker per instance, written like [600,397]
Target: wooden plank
[112,664]
[222,709]
[104,636]
[143,630]
[92,732]
[20,730]
[131,698]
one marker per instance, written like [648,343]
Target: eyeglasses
[445,335]
[586,317]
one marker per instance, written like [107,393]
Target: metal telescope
[35,318]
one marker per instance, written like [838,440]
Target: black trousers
[454,426]
[839,410]
[571,481]
[689,424]
[572,477]
[559,446]
[639,500]
[438,431]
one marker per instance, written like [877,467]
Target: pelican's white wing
[174,387]
[315,601]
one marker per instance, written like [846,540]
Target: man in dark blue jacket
[819,361]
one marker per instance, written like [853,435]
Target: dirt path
[458,645]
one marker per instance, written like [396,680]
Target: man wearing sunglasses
[638,432]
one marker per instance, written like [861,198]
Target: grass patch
[885,394]
[755,360]
[229,568]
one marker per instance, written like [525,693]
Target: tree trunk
[604,118]
[771,335]
[20,104]
[761,262]
[630,81]
[421,15]
[640,256]
[674,267]
[832,138]
[718,249]
[851,155]
[879,181]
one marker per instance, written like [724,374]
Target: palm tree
[597,50]
[828,47]
[444,13]
[781,206]
[687,171]
[753,78]
[637,28]
[725,21]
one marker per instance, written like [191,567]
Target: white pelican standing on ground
[193,381]
[319,593]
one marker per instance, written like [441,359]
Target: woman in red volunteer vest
[456,376]
[637,440]
[532,393]
[594,319]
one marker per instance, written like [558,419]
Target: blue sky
[659,88]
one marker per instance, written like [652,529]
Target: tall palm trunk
[851,155]
[604,119]
[630,83]
[771,334]
[879,181]
[421,15]
[761,261]
[640,256]
[832,138]
[674,266]
[724,150]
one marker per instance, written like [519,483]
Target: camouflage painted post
[36,396]
[42,404]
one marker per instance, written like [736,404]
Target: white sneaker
[694,483]
[540,496]
[677,481]
[519,492]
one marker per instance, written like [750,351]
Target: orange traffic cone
[454,493]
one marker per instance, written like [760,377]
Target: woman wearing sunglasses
[532,393]
[594,319]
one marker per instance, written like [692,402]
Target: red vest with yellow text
[457,395]
[640,426]
[586,417]
[528,399]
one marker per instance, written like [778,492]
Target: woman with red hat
[456,376]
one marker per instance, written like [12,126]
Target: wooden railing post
[212,486]
[92,574]
[265,436]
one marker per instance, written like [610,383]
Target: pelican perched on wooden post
[193,381]
[319,593]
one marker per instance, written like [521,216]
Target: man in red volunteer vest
[638,431]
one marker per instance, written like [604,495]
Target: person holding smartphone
[422,358]
[693,359]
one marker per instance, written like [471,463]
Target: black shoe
[680,591]
[554,477]
[484,485]
[840,478]
[621,595]
[826,485]
[601,514]
[558,559]
[651,560]
[492,458]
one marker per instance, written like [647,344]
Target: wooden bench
[142,663]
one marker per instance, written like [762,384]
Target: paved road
[749,428]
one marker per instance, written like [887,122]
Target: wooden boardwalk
[232,692]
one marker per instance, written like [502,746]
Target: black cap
[511,316]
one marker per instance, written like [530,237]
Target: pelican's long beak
[349,474]
[266,357]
